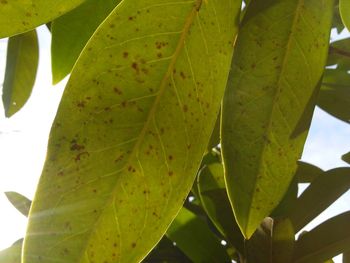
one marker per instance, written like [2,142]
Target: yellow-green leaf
[279,59]
[194,237]
[21,16]
[344,8]
[282,241]
[12,254]
[71,31]
[19,201]
[21,67]
[130,132]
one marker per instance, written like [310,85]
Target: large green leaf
[325,241]
[193,236]
[279,59]
[344,7]
[19,201]
[130,132]
[334,96]
[339,54]
[12,254]
[282,241]
[21,67]
[322,192]
[213,195]
[21,16]
[71,32]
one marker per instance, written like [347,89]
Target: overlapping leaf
[21,16]
[131,129]
[279,59]
[344,7]
[12,254]
[19,201]
[21,67]
[71,32]
[339,54]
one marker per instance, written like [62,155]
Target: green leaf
[18,17]
[334,96]
[346,157]
[215,135]
[344,8]
[339,54]
[193,236]
[280,56]
[21,67]
[337,21]
[282,241]
[322,192]
[131,130]
[166,252]
[346,257]
[326,241]
[307,172]
[12,254]
[19,201]
[71,32]
[212,192]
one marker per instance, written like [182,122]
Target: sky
[23,142]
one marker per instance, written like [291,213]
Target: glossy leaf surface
[279,58]
[21,67]
[325,241]
[214,199]
[71,31]
[21,16]
[19,201]
[334,96]
[112,149]
[322,192]
[193,236]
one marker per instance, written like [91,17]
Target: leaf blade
[344,8]
[20,202]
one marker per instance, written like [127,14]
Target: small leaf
[282,241]
[131,130]
[322,192]
[339,54]
[277,65]
[307,172]
[326,241]
[337,21]
[12,254]
[19,201]
[71,31]
[344,8]
[18,17]
[346,157]
[212,192]
[21,67]
[193,236]
[334,96]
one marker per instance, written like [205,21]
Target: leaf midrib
[275,95]
[179,47]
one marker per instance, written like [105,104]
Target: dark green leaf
[71,32]
[346,257]
[215,135]
[19,201]
[282,241]
[21,67]
[12,254]
[334,96]
[212,192]
[21,16]
[325,241]
[131,130]
[307,172]
[322,192]
[339,54]
[346,157]
[279,60]
[194,238]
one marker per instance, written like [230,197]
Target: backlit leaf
[282,241]
[325,241]
[212,192]
[21,67]
[71,31]
[334,96]
[130,132]
[280,55]
[344,7]
[12,254]
[19,201]
[321,193]
[21,16]
[193,236]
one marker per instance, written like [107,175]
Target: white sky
[23,141]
